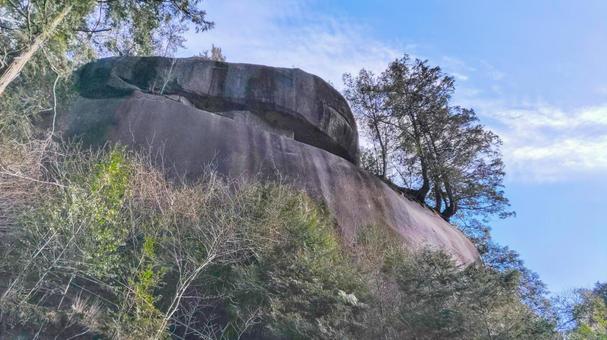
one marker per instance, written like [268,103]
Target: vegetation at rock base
[108,247]
[100,244]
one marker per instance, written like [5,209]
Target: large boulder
[249,121]
[287,99]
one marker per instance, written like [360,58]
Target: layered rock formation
[250,121]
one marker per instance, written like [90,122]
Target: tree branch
[87,30]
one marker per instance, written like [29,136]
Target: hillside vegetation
[99,243]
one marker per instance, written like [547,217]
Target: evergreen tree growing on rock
[434,152]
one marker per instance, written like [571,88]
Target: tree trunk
[451,208]
[422,192]
[384,152]
[437,197]
[17,65]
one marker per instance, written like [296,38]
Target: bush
[426,295]
[101,244]
[585,314]
[290,286]
[113,248]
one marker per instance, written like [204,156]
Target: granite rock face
[250,121]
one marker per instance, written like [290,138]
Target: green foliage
[143,257]
[36,97]
[124,27]
[147,27]
[78,233]
[290,284]
[439,154]
[89,30]
[472,303]
[426,295]
[108,231]
[436,152]
[113,249]
[589,313]
[142,313]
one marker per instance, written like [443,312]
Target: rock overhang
[303,105]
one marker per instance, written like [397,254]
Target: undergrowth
[108,246]
[100,244]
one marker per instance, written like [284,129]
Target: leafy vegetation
[72,30]
[106,246]
[424,146]
[143,257]
[584,314]
[440,155]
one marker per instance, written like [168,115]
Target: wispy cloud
[601,90]
[492,71]
[544,143]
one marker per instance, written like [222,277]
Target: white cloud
[543,143]
[459,76]
[492,71]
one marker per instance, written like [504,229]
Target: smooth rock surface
[239,142]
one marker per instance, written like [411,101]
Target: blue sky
[535,71]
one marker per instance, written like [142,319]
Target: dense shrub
[584,313]
[101,244]
[109,246]
[426,295]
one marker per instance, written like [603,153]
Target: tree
[214,54]
[440,300]
[588,313]
[378,126]
[423,146]
[124,27]
[17,65]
